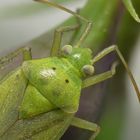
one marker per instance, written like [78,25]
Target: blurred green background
[112,104]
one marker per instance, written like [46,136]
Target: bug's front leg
[77,122]
[26,56]
[100,77]
[88,22]
[58,38]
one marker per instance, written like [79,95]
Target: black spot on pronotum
[67,81]
[54,68]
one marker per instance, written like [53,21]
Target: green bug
[39,99]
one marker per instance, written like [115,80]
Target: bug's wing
[11,93]
[48,126]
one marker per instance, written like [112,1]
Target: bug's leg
[77,122]
[115,49]
[58,38]
[100,77]
[27,54]
[88,22]
[6,59]
[72,40]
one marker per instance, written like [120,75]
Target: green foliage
[128,31]
[131,9]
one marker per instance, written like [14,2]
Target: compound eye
[88,69]
[66,50]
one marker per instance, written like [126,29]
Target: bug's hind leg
[58,38]
[100,77]
[77,122]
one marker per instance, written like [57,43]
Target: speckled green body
[42,96]
[39,99]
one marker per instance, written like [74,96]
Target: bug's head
[81,58]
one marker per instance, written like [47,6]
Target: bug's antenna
[89,23]
[129,72]
[116,49]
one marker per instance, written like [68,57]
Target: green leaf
[131,9]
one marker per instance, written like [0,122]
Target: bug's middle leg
[77,122]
